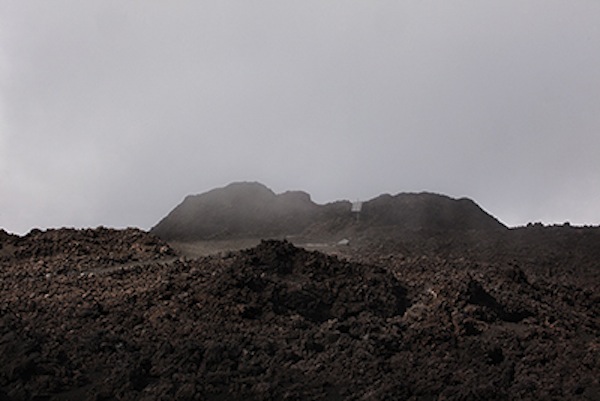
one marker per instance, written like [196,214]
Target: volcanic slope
[251,210]
[113,315]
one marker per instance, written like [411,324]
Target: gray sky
[111,112]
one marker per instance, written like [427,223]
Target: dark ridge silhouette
[5,236]
[238,210]
[251,210]
[427,211]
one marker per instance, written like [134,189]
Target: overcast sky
[111,112]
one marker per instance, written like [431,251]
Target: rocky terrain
[435,311]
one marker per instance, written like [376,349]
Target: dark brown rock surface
[114,315]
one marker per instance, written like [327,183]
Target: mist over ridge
[251,209]
[110,112]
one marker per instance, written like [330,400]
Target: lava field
[103,314]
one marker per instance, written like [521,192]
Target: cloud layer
[112,112]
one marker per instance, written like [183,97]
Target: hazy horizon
[313,200]
[111,113]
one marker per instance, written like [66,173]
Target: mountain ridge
[252,210]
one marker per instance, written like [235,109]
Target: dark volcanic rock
[427,211]
[238,210]
[278,278]
[130,243]
[251,210]
[278,322]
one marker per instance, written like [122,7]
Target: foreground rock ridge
[117,315]
[247,210]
